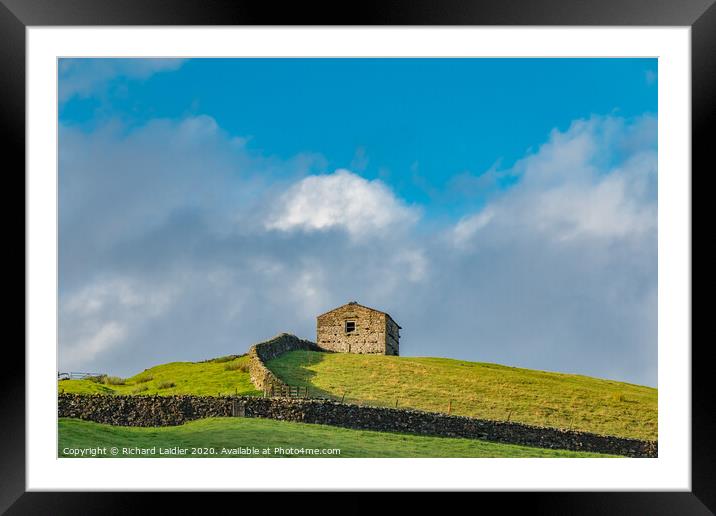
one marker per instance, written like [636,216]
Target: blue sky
[418,122]
[231,167]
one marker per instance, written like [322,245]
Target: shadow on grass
[294,368]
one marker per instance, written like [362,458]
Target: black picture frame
[700,15]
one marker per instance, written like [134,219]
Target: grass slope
[231,433]
[477,389]
[225,375]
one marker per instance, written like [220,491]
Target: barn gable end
[354,328]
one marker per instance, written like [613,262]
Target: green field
[234,433]
[476,389]
[224,375]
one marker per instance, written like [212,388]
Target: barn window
[350,326]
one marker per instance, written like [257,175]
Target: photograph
[406,249]
[357,257]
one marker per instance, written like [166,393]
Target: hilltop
[476,389]
[223,375]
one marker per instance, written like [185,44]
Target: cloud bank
[177,243]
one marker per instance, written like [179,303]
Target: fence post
[449,406]
[509,414]
[344,397]
[396,402]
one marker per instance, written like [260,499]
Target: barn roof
[354,303]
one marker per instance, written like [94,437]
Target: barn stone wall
[174,410]
[370,337]
[393,335]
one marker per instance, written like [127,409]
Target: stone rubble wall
[369,336]
[174,410]
[261,376]
[392,343]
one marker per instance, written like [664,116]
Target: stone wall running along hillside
[261,376]
[175,410]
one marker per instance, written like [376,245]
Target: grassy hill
[219,433]
[225,375]
[468,388]
[477,389]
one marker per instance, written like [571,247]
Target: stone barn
[354,328]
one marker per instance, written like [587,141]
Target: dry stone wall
[175,410]
[261,376]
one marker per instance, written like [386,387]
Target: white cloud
[341,200]
[165,253]
[414,262]
[101,316]
[557,271]
[577,186]
[89,346]
[604,210]
[85,77]
[468,226]
[116,185]
[117,293]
